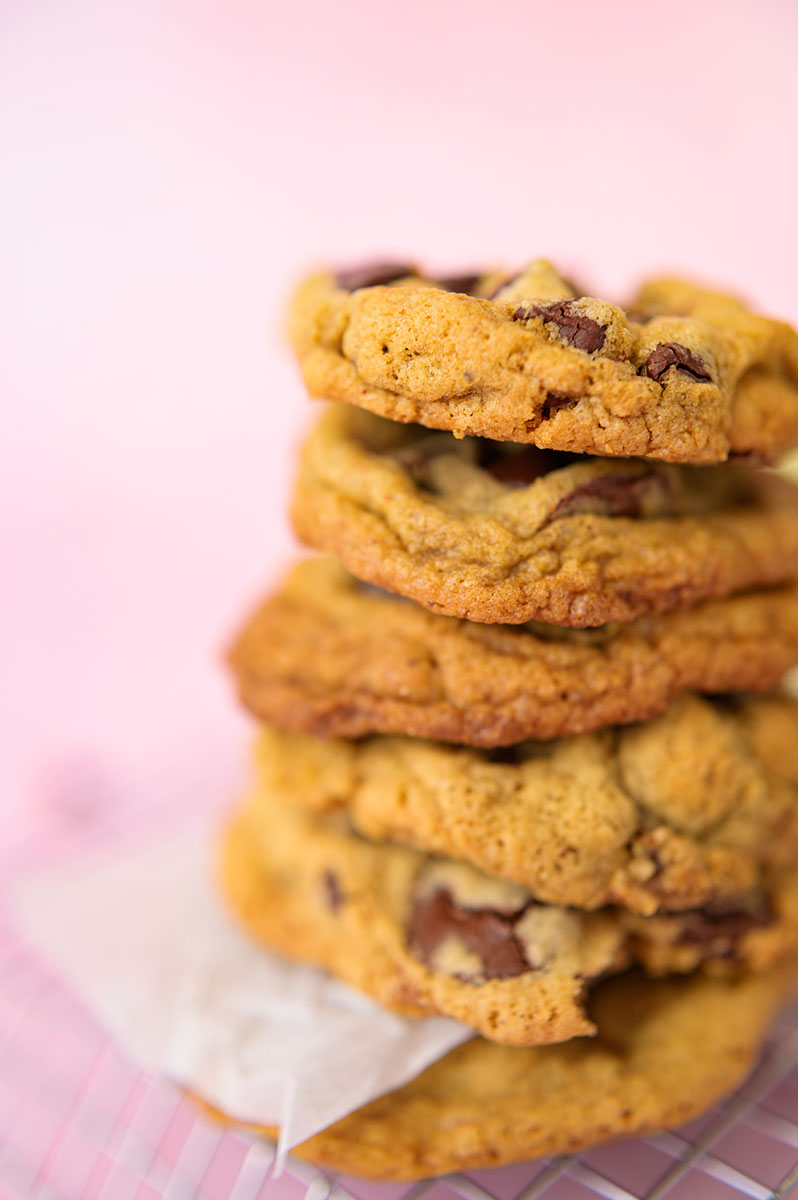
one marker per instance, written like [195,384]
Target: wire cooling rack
[79,1122]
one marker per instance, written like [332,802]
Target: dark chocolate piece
[720,932]
[609,495]
[671,354]
[483,931]
[581,331]
[555,401]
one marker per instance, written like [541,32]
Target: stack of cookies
[523,761]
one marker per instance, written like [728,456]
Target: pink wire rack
[79,1122]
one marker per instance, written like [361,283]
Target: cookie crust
[417,514]
[686,375]
[665,1051]
[381,664]
[680,813]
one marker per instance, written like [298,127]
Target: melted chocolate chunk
[610,495]
[372,274]
[671,354]
[465,284]
[483,931]
[581,331]
[555,401]
[523,467]
[719,932]
[333,895]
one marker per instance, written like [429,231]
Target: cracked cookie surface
[426,935]
[664,1051]
[686,375]
[499,533]
[679,813]
[382,664]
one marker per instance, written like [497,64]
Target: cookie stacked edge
[507,771]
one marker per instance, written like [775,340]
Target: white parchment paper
[144,940]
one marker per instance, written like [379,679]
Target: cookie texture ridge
[664,1052]
[382,664]
[496,533]
[684,812]
[685,375]
[425,935]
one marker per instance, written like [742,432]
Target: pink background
[169,169]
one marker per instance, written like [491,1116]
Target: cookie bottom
[665,1051]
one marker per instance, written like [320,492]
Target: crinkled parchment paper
[147,944]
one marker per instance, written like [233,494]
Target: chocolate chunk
[581,331]
[333,895]
[609,495]
[555,401]
[519,469]
[483,931]
[719,932]
[671,354]
[372,274]
[465,284]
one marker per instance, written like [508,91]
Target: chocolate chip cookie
[683,812]
[664,1052]
[685,375]
[494,532]
[382,664]
[426,935]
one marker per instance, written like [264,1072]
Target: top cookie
[685,375]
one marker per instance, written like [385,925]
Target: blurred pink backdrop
[168,170]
